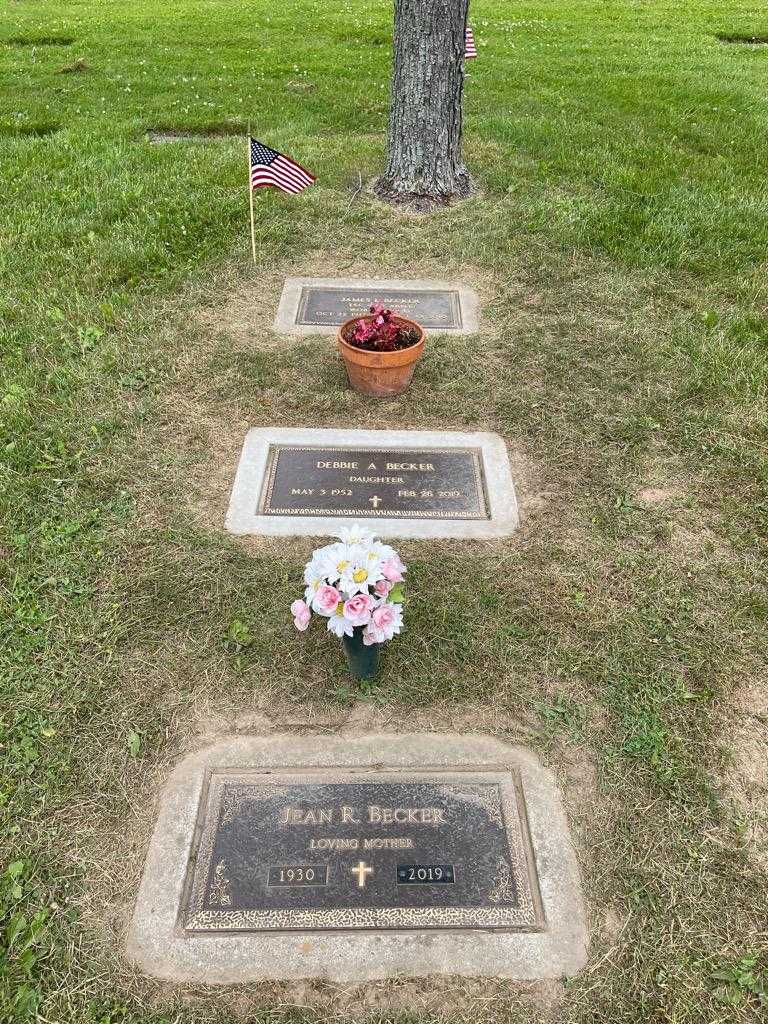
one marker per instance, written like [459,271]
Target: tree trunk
[424,165]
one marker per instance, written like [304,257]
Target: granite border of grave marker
[159,944]
[495,515]
[463,300]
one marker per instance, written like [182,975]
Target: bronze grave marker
[351,858]
[415,483]
[318,305]
[385,850]
[432,308]
[312,481]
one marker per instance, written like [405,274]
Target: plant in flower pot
[356,584]
[380,351]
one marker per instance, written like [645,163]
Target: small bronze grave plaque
[317,851]
[415,483]
[433,309]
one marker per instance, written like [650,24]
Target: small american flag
[470,50]
[268,167]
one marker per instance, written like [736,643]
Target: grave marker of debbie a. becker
[285,857]
[412,483]
[318,305]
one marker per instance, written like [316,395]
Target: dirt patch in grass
[744,39]
[660,495]
[463,1001]
[746,739]
[244,314]
[76,67]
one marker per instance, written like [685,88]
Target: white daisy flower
[355,534]
[361,573]
[314,577]
[340,625]
[336,560]
[382,551]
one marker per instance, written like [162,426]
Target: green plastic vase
[363,661]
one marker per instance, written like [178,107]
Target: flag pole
[250,194]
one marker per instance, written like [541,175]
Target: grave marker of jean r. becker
[290,857]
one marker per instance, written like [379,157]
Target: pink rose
[301,615]
[383,616]
[383,587]
[386,620]
[393,569]
[326,600]
[358,609]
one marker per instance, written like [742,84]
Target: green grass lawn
[619,241]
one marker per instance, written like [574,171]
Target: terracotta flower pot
[381,374]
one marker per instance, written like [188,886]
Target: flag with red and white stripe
[268,167]
[470,50]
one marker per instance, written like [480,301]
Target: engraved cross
[361,869]
[375,500]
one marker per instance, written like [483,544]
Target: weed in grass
[25,942]
[741,983]
[562,713]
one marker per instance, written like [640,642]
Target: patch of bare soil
[415,202]
[746,738]
[675,498]
[742,38]
[462,1001]
[660,495]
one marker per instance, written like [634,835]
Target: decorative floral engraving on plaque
[219,894]
[503,889]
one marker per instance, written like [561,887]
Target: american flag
[470,50]
[268,167]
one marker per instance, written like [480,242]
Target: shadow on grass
[40,41]
[28,131]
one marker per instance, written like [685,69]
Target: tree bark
[424,164]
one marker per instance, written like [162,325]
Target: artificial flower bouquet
[357,585]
